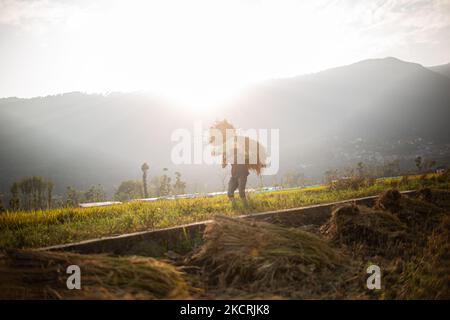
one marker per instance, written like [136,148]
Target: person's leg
[242,182]
[232,186]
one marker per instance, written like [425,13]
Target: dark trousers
[237,183]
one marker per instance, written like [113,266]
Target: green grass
[49,227]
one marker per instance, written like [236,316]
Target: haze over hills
[371,111]
[442,69]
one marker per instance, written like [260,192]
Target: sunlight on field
[63,225]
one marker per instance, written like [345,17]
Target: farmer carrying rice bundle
[241,152]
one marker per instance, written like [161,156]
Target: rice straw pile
[27,274]
[428,276]
[260,256]
[377,231]
[421,215]
[440,198]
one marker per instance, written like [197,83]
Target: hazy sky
[199,51]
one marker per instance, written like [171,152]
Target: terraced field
[406,235]
[64,225]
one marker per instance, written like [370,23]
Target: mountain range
[373,111]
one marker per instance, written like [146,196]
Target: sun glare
[197,52]
[167,47]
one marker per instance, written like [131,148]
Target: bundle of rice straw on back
[235,148]
[259,255]
[27,274]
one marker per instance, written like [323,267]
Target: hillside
[442,69]
[371,110]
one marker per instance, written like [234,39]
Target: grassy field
[57,226]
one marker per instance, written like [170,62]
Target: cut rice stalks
[27,274]
[258,256]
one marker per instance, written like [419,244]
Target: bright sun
[198,52]
[194,58]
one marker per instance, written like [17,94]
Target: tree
[293,179]
[179,187]
[144,169]
[391,168]
[14,202]
[418,162]
[72,197]
[31,193]
[50,186]
[165,187]
[429,164]
[360,168]
[2,208]
[25,188]
[95,194]
[331,175]
[129,190]
[153,187]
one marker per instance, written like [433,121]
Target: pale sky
[199,51]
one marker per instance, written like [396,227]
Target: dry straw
[27,274]
[261,256]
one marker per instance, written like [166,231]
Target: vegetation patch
[40,228]
[428,277]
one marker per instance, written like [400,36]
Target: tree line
[36,193]
[387,169]
[158,186]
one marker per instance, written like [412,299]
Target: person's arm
[224,160]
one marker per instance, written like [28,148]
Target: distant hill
[371,111]
[391,107]
[442,69]
[403,99]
